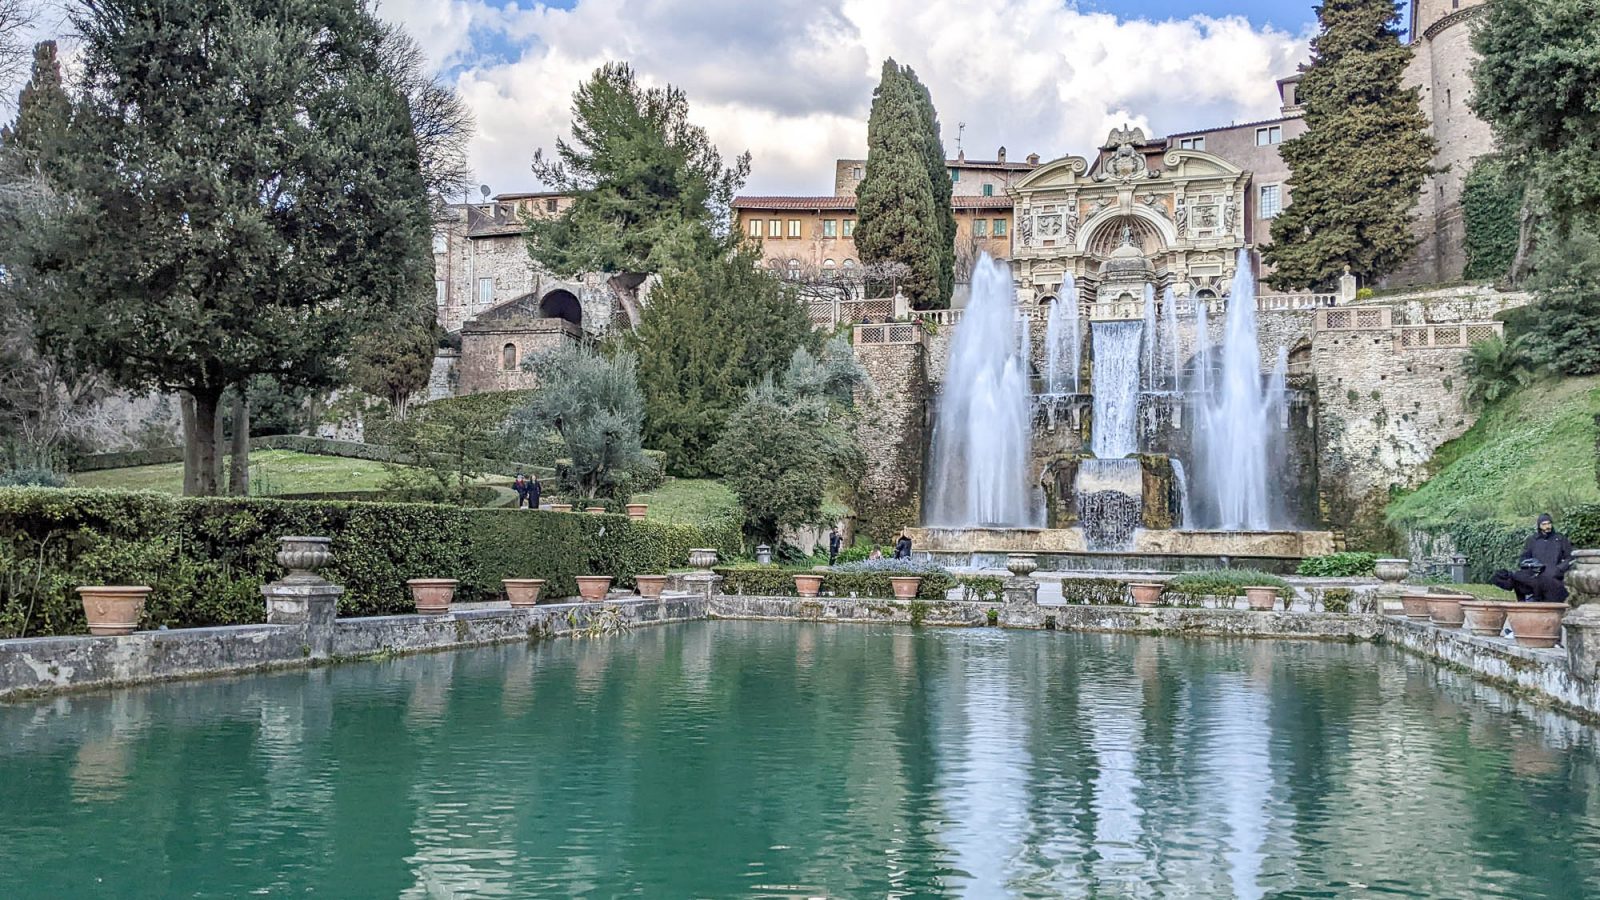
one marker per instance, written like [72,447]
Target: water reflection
[780,760]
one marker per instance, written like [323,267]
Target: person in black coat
[902,547]
[834,543]
[534,490]
[1542,571]
[521,487]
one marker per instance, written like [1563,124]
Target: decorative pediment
[1064,172]
[1199,164]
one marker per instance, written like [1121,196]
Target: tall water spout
[1116,389]
[1169,329]
[1180,482]
[982,431]
[1200,377]
[1063,342]
[1234,427]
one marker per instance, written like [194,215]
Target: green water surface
[750,759]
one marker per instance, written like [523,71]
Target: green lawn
[690,501]
[271,472]
[1533,452]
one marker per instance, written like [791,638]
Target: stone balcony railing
[1458,335]
[888,333]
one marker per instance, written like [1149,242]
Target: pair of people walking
[528,491]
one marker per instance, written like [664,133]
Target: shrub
[36,476]
[1224,583]
[1337,600]
[1094,591]
[772,581]
[981,587]
[206,558]
[892,566]
[1339,565]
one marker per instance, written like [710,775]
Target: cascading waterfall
[1235,426]
[982,433]
[1180,483]
[1150,356]
[1063,342]
[1109,487]
[1200,377]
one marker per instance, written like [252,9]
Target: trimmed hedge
[300,443]
[1349,564]
[208,557]
[772,581]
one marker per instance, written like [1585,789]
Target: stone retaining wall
[1542,674]
[960,613]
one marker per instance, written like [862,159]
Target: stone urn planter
[1536,625]
[650,586]
[432,595]
[561,507]
[1415,604]
[703,558]
[1444,610]
[1021,565]
[905,586]
[523,592]
[1584,577]
[1146,594]
[303,556]
[594,510]
[1484,618]
[1391,572]
[113,609]
[808,585]
[1261,598]
[593,588]
[636,511]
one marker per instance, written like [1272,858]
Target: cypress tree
[896,213]
[939,181]
[43,109]
[1359,168]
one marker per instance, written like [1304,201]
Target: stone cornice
[1460,15]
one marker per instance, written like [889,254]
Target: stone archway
[562,304]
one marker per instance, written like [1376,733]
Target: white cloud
[792,80]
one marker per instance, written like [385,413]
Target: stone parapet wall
[1544,674]
[958,613]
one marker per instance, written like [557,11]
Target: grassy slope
[1533,452]
[690,501]
[272,471]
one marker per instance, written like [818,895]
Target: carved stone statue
[1183,219]
[1230,214]
[1025,228]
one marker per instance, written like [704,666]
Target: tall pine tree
[711,331]
[1359,168]
[191,247]
[898,217]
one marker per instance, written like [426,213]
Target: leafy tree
[1496,368]
[785,444]
[711,331]
[1359,168]
[1491,203]
[395,363]
[190,248]
[443,450]
[898,215]
[1564,331]
[1535,83]
[594,404]
[650,190]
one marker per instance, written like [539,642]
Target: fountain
[983,423]
[1118,493]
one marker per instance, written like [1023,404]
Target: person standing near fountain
[902,547]
[834,541]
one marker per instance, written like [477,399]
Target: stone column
[304,598]
[1020,607]
[1391,572]
[1582,625]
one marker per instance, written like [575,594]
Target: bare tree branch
[440,119]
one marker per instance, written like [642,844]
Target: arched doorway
[562,304]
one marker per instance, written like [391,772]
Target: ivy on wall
[1491,205]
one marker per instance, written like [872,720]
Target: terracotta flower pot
[1146,594]
[113,609]
[561,507]
[523,592]
[1415,604]
[1262,599]
[432,595]
[650,586]
[593,588]
[636,511]
[594,510]
[808,585]
[1535,624]
[1483,617]
[1445,610]
[905,586]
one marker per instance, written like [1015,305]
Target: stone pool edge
[31,668]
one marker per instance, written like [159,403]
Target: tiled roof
[828,202]
[959,201]
[1279,120]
